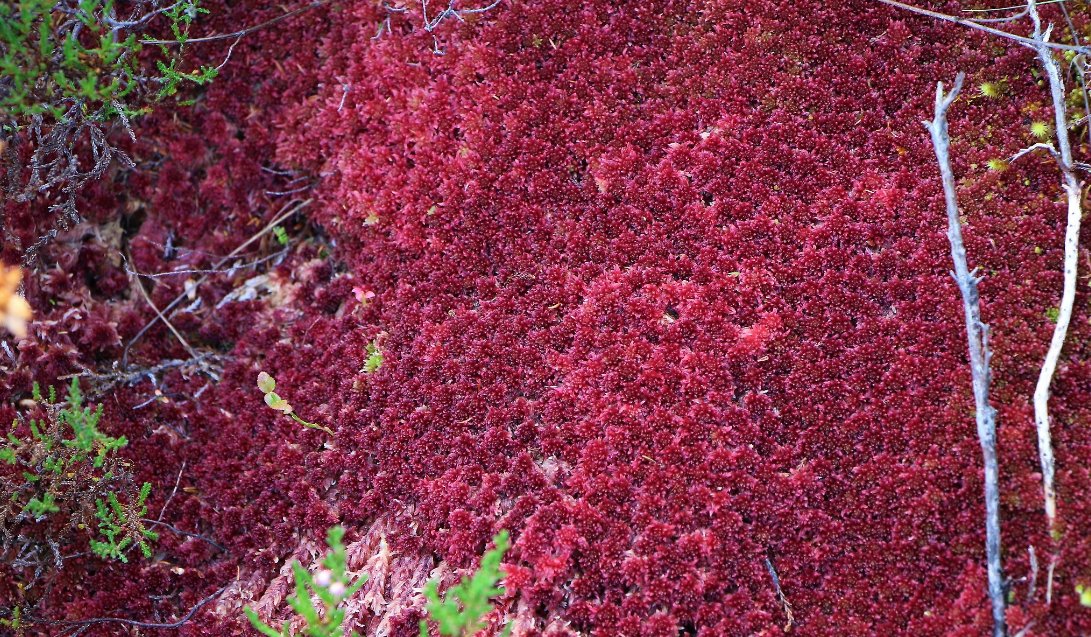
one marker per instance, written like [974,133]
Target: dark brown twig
[239,34]
[127,622]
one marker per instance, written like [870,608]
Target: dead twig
[1049,579]
[101,383]
[243,32]
[1073,188]
[977,25]
[180,532]
[781,597]
[84,623]
[977,336]
[177,481]
[159,314]
[290,209]
[1033,579]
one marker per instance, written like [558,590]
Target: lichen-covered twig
[977,25]
[1073,188]
[977,336]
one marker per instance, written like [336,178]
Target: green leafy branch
[62,468]
[76,52]
[331,585]
[460,612]
[121,525]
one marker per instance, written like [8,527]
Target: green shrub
[70,70]
[331,586]
[460,612]
[79,53]
[61,476]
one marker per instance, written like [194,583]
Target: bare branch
[977,335]
[1039,146]
[1079,65]
[128,622]
[239,34]
[1073,188]
[177,482]
[1018,6]
[975,24]
[180,532]
[781,597]
[100,383]
[1033,574]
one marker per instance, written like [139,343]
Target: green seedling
[374,358]
[331,585]
[1085,594]
[267,384]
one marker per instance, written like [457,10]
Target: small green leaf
[374,358]
[259,625]
[276,402]
[266,383]
[1085,594]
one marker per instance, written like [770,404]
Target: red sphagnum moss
[661,287]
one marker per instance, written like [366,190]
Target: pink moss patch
[660,288]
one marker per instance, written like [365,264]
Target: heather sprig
[65,470]
[73,71]
[460,611]
[331,585]
[121,526]
[82,52]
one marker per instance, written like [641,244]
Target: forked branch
[977,336]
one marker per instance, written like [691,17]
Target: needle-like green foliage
[331,586]
[115,521]
[460,611]
[61,477]
[57,54]
[73,71]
